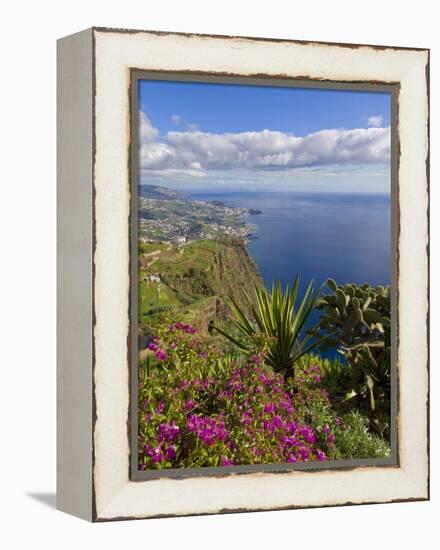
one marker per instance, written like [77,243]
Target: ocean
[343,236]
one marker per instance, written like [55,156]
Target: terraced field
[191,281]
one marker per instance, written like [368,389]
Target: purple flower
[292,427]
[170,452]
[308,435]
[189,329]
[161,355]
[192,422]
[277,423]
[155,453]
[168,431]
[270,408]
[182,422]
[286,404]
[267,426]
[304,454]
[209,429]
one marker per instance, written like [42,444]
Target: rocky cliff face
[232,272]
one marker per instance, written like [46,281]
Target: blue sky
[236,137]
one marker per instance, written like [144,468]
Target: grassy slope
[196,278]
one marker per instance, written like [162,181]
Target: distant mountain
[161,193]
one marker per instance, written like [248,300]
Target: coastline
[345,236]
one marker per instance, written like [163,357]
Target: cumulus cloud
[375,121]
[263,150]
[147,132]
[176,119]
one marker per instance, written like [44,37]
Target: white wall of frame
[116,495]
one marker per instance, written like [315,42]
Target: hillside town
[178,221]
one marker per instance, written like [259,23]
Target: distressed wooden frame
[94,217]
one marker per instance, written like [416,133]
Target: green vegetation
[161,193]
[192,280]
[358,321]
[201,407]
[147,248]
[356,441]
[275,316]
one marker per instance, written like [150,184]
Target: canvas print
[264,275]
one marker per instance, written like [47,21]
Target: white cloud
[191,127]
[375,121]
[176,119]
[195,151]
[347,179]
[170,173]
[147,132]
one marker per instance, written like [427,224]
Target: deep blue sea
[343,236]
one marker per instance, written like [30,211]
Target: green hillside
[192,281]
[161,193]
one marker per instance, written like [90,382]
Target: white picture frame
[94,198]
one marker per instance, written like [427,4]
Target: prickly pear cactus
[357,320]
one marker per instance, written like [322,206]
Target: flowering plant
[198,408]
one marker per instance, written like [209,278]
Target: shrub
[355,441]
[198,410]
[348,434]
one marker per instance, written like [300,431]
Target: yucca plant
[275,317]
